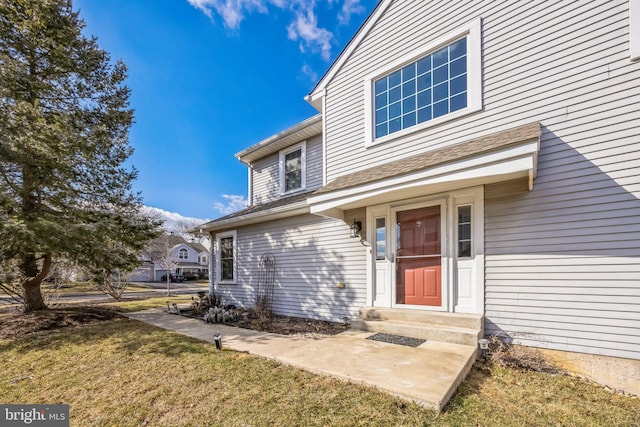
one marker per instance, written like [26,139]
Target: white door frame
[462,279]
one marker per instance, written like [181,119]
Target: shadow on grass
[121,334]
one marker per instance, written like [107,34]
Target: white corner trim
[634,29]
[473,31]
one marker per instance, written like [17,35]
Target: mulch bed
[14,323]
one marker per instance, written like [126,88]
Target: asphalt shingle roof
[423,161]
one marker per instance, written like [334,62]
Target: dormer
[285,164]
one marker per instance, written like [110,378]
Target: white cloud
[349,7]
[233,203]
[305,27]
[308,71]
[232,12]
[304,24]
[173,221]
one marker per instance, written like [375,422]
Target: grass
[145,304]
[125,373]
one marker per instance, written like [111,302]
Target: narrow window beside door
[464,231]
[381,239]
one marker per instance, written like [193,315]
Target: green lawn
[124,373]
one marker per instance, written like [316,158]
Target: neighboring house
[183,257]
[488,153]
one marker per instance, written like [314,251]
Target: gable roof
[299,132]
[315,96]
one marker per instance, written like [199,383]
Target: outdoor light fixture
[217,338]
[355,228]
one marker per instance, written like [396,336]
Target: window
[464,231]
[183,254]
[381,239]
[423,90]
[292,168]
[437,83]
[227,257]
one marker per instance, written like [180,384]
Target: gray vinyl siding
[266,184]
[312,255]
[563,260]
[266,172]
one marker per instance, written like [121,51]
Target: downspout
[250,183]
[324,137]
[212,273]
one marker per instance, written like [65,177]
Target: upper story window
[183,254]
[438,82]
[293,168]
[423,90]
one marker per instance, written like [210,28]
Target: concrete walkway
[428,374]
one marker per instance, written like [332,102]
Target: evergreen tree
[64,126]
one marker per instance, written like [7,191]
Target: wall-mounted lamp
[355,228]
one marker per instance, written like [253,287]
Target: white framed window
[293,165]
[183,254]
[227,259]
[634,29]
[464,232]
[437,83]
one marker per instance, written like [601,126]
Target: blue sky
[211,77]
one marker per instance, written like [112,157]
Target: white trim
[218,269]
[634,29]
[320,90]
[519,159]
[250,183]
[303,167]
[473,32]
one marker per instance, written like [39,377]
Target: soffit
[300,132]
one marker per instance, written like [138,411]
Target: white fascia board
[320,90]
[257,217]
[520,158]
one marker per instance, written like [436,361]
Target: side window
[381,238]
[464,231]
[226,262]
[293,169]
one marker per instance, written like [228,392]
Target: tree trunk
[32,294]
[33,297]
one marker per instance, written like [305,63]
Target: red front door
[418,272]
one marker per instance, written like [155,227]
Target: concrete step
[464,329]
[461,320]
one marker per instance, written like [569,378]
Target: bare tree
[160,253]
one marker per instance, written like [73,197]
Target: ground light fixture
[217,338]
[355,228]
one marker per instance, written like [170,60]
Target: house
[179,256]
[468,159]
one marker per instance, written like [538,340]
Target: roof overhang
[279,212]
[304,130]
[515,160]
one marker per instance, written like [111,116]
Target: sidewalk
[428,374]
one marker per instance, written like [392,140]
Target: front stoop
[444,332]
[454,328]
